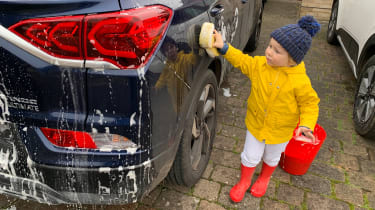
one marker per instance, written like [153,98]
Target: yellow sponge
[206,39]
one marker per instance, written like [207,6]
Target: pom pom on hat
[309,24]
[296,38]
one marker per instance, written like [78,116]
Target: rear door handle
[244,1]
[217,10]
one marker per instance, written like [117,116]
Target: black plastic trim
[350,45]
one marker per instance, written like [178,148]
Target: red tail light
[130,35]
[66,138]
[79,139]
[126,39]
[57,36]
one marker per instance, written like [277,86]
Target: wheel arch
[186,121]
[367,52]
[216,67]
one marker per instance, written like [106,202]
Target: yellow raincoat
[280,97]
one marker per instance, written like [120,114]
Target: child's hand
[219,43]
[306,132]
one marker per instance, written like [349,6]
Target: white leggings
[254,150]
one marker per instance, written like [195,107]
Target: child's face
[171,51]
[277,56]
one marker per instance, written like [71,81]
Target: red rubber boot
[259,188]
[238,191]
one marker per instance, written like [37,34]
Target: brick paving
[341,177]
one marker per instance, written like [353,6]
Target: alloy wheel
[203,126]
[365,102]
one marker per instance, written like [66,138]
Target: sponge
[206,39]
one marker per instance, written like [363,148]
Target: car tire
[331,31]
[253,41]
[199,133]
[364,102]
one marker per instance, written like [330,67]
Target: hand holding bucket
[301,151]
[304,134]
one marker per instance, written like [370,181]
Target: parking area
[341,177]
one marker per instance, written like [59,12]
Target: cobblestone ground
[341,177]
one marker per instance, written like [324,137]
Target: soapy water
[4,111]
[226,92]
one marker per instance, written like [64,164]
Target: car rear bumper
[22,177]
[56,186]
[94,186]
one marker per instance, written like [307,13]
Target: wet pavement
[341,177]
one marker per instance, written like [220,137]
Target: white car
[352,25]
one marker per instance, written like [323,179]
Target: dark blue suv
[100,100]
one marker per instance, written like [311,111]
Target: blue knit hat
[296,38]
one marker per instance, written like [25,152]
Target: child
[281,96]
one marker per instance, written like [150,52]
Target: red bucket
[299,155]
